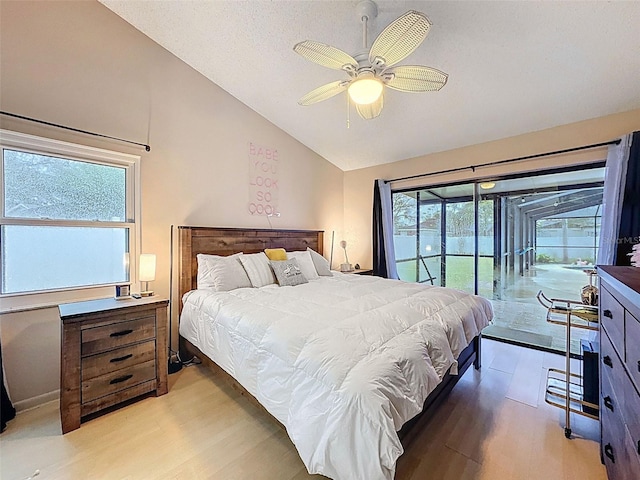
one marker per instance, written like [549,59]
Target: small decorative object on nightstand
[112,351]
[122,291]
[346,266]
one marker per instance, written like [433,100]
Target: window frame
[10,140]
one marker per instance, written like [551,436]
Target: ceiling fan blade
[371,110]
[326,55]
[415,78]
[399,39]
[324,92]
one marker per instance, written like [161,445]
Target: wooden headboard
[227,241]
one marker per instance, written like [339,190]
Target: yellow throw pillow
[276,254]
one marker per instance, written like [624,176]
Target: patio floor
[520,318]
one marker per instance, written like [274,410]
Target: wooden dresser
[112,351]
[620,371]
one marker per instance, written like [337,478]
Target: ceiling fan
[370,72]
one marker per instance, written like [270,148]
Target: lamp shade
[147,271]
[364,91]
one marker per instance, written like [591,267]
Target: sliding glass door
[430,242]
[459,265]
[418,237]
[505,240]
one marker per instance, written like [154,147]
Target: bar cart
[564,388]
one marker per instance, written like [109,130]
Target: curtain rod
[489,164]
[29,119]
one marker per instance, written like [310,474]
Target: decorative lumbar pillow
[257,267]
[288,272]
[306,264]
[221,273]
[275,253]
[321,263]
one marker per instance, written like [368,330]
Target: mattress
[342,362]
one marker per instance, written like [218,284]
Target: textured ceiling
[514,67]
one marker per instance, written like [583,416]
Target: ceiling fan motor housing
[368,9]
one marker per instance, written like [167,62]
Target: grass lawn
[460,273]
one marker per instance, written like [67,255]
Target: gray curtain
[384,256]
[7,412]
[614,185]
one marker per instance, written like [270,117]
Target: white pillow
[305,263]
[221,273]
[321,263]
[257,267]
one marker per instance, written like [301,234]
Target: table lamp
[346,266]
[147,272]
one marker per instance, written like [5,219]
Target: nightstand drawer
[108,337]
[117,359]
[107,401]
[612,319]
[118,380]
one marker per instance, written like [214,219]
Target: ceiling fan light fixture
[365,91]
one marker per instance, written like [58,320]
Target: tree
[404,211]
[39,186]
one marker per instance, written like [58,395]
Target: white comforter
[343,362]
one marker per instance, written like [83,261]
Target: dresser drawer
[610,363]
[632,325]
[629,401]
[631,414]
[117,359]
[119,380]
[617,450]
[107,337]
[612,319]
[609,403]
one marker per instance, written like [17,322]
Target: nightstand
[362,271]
[112,351]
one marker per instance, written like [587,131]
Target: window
[68,217]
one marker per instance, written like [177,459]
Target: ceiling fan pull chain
[348,113]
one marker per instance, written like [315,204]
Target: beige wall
[358,184]
[78,64]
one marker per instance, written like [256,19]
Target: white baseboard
[34,402]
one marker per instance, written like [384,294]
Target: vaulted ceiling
[514,67]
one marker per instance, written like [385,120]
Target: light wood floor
[495,426]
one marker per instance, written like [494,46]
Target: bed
[348,365]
